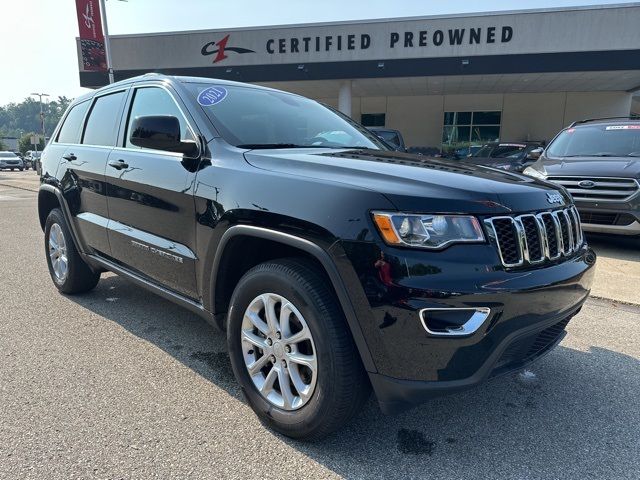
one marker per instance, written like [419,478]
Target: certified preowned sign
[392,41]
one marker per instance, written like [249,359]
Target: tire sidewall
[249,287]
[56,217]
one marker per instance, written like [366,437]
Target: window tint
[102,125]
[155,101]
[70,130]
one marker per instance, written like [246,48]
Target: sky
[38,49]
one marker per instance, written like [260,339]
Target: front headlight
[535,173]
[427,231]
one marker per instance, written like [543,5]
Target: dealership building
[440,80]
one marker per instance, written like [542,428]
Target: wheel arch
[50,197]
[274,244]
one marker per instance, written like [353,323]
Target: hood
[595,166]
[415,183]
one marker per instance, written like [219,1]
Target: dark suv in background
[334,264]
[598,162]
[512,156]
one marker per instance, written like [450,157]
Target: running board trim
[170,295]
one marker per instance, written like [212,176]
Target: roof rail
[587,120]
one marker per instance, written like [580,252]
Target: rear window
[597,141]
[104,118]
[8,155]
[70,130]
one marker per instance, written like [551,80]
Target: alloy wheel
[279,352]
[58,253]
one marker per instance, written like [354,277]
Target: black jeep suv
[598,162]
[334,264]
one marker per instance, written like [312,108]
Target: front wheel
[292,352]
[69,272]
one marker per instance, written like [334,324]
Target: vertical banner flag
[91,36]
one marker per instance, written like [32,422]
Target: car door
[81,171]
[150,198]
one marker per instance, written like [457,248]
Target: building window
[462,129]
[372,119]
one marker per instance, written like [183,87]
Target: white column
[344,98]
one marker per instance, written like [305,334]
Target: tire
[21,169]
[77,277]
[11,169]
[341,386]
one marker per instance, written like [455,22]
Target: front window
[8,155]
[597,141]
[254,118]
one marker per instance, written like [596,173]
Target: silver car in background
[9,160]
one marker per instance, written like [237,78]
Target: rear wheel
[69,272]
[292,352]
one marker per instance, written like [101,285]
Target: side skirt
[170,295]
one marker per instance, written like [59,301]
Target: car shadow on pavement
[572,415]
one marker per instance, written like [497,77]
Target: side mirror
[535,153]
[161,132]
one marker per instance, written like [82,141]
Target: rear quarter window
[70,130]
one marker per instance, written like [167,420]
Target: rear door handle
[118,164]
[71,157]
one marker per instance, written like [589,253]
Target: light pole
[40,95]
[107,45]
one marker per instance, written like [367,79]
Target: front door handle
[71,157]
[118,164]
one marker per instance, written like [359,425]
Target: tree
[25,116]
[2,146]
[25,143]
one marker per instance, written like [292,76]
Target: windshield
[504,150]
[7,155]
[254,118]
[598,141]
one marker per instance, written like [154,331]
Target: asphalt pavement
[119,383]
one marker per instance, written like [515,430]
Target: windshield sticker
[623,127]
[212,96]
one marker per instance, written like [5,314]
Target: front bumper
[517,350]
[4,165]
[529,309]
[618,218]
